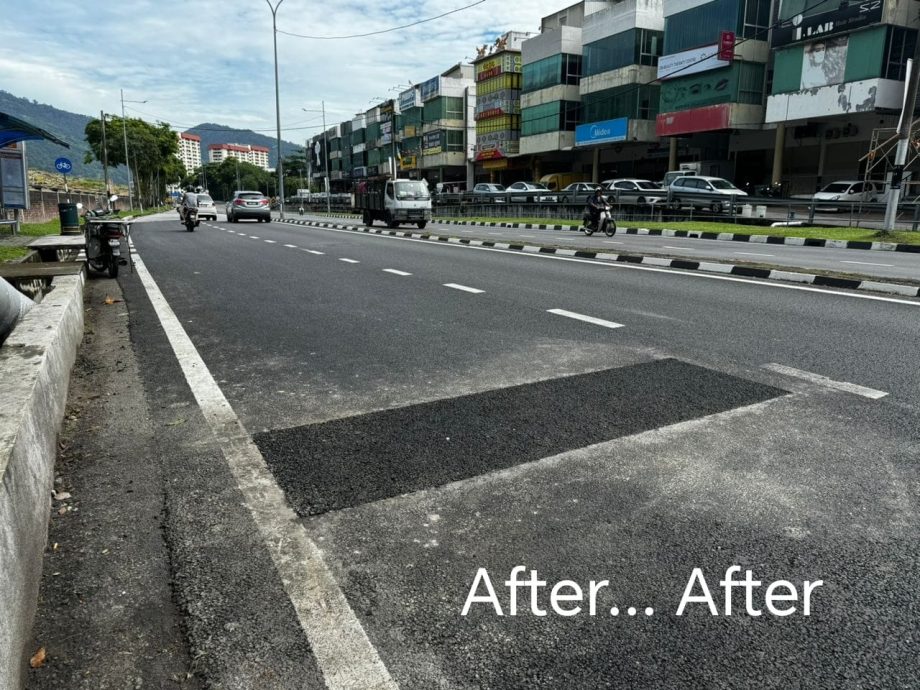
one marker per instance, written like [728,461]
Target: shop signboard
[605,132]
[430,89]
[409,99]
[704,89]
[824,62]
[408,163]
[498,64]
[727,46]
[844,19]
[431,143]
[14,191]
[707,119]
[690,62]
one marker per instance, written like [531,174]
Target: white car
[635,191]
[849,190]
[703,192]
[525,192]
[206,207]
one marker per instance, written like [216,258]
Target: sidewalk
[106,616]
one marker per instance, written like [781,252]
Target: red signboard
[727,46]
[708,119]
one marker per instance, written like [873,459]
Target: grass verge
[12,253]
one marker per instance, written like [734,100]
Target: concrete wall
[566,40]
[35,364]
[44,203]
[623,16]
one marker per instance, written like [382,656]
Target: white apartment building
[257,155]
[189,151]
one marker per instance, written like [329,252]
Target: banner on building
[690,62]
[499,64]
[14,188]
[431,143]
[709,119]
[824,62]
[704,89]
[430,89]
[409,99]
[605,132]
[408,163]
[843,19]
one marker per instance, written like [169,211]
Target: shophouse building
[837,89]
[448,103]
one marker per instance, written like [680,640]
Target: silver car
[701,191]
[249,205]
[489,192]
[578,192]
[635,191]
[206,207]
[530,192]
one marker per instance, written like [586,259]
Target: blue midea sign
[602,132]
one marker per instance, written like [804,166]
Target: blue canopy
[13,129]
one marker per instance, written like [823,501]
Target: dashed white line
[586,319]
[683,249]
[395,272]
[464,288]
[611,242]
[253,237]
[826,382]
[270,242]
[866,263]
[313,251]
[349,261]
[291,246]
[751,254]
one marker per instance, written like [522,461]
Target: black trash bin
[70,219]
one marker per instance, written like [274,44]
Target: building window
[454,140]
[649,47]
[756,19]
[556,116]
[700,26]
[635,101]
[632,47]
[900,47]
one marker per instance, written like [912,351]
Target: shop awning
[13,129]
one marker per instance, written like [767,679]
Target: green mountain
[70,127]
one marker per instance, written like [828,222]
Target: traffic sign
[63,165]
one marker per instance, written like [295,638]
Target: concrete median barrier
[35,364]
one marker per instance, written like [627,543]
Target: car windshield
[644,184]
[722,184]
[411,190]
[205,199]
[837,187]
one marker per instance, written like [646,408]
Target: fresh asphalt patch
[348,462]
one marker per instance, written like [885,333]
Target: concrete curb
[682,264]
[35,364]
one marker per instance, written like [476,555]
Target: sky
[211,60]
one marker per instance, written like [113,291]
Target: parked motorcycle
[104,231]
[191,219]
[605,222]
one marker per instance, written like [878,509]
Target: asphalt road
[875,264]
[437,414]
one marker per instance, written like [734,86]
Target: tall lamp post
[325,155]
[124,127]
[277,100]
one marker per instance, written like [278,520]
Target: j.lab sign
[853,16]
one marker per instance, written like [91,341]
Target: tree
[152,148]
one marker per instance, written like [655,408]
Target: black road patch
[348,462]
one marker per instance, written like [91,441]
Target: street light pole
[105,159]
[124,128]
[277,101]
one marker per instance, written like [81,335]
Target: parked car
[702,191]
[206,207]
[635,191]
[245,204]
[489,192]
[524,192]
[578,192]
[850,190]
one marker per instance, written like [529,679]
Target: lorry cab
[394,202]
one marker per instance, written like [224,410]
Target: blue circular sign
[63,165]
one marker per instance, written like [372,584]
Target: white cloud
[211,60]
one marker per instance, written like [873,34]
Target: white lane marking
[633,267]
[587,319]
[611,242]
[395,272]
[826,382]
[751,254]
[291,246]
[530,237]
[350,261]
[866,263]
[340,646]
[313,251]
[499,234]
[270,242]
[464,288]
[683,249]
[253,237]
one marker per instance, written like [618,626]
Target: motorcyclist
[189,200]
[596,203]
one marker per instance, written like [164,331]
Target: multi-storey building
[447,138]
[257,155]
[189,151]
[409,132]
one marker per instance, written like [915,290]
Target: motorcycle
[191,219]
[605,222]
[104,231]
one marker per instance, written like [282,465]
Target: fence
[44,204]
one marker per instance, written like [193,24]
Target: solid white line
[464,288]
[698,275]
[395,272]
[826,382]
[350,261]
[866,263]
[340,646]
[587,319]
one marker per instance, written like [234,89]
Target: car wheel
[715,207]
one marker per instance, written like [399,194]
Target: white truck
[394,202]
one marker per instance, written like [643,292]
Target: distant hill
[71,127]
[212,133]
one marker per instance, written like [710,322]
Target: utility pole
[124,128]
[105,159]
[904,127]
[326,160]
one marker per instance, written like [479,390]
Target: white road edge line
[866,263]
[395,272]
[464,288]
[350,261]
[826,382]
[587,319]
[340,645]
